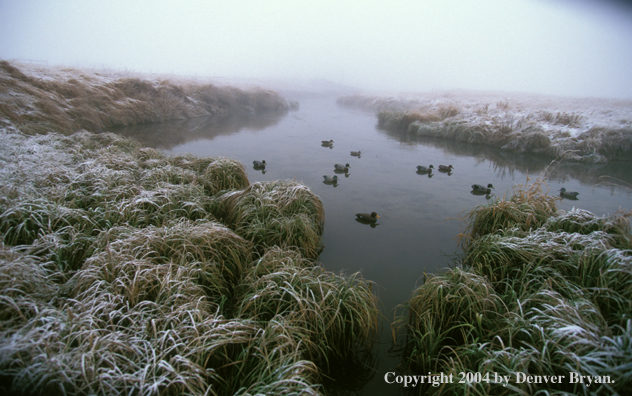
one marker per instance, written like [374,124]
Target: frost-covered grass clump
[536,292]
[277,213]
[126,271]
[584,130]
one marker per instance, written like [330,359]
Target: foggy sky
[562,47]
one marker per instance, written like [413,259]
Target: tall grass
[125,271]
[338,314]
[535,291]
[528,208]
[68,100]
[282,213]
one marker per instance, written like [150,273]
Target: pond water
[419,215]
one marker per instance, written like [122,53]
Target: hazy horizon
[558,47]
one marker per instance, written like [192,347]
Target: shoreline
[57,99]
[538,296]
[585,130]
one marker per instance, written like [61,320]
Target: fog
[561,47]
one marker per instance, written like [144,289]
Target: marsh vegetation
[536,291]
[589,130]
[124,270]
[42,100]
[129,269]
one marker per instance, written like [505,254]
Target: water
[419,215]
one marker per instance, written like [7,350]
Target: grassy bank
[126,271]
[582,130]
[536,291]
[41,100]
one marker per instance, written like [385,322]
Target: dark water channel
[419,214]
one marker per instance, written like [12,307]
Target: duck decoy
[342,168]
[259,164]
[444,168]
[572,195]
[366,217]
[330,179]
[423,169]
[356,153]
[327,143]
[482,190]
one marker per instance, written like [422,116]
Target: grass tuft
[281,213]
[338,314]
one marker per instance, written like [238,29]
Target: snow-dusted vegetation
[538,292]
[588,130]
[127,271]
[41,100]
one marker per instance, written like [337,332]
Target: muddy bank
[571,129]
[41,100]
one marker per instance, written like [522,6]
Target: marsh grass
[534,291]
[615,143]
[394,120]
[68,100]
[118,275]
[528,208]
[338,314]
[282,213]
[98,182]
[509,127]
[448,311]
[560,118]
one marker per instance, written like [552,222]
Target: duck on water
[259,164]
[367,217]
[572,195]
[482,190]
[342,168]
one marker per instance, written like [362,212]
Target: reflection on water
[169,134]
[613,175]
[419,213]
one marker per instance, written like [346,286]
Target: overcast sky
[564,47]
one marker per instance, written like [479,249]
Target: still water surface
[419,214]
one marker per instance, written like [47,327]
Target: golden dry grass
[87,101]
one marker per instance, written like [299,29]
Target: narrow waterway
[419,214]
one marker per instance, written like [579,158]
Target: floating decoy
[342,168]
[477,188]
[366,217]
[330,179]
[259,164]
[327,143]
[356,153]
[444,168]
[568,194]
[423,169]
